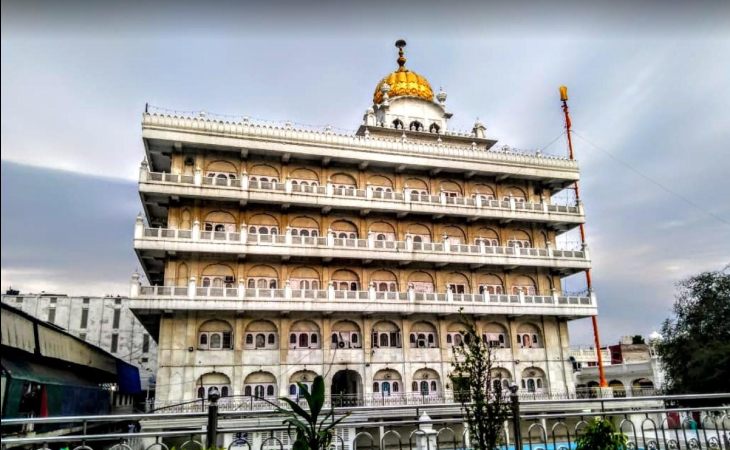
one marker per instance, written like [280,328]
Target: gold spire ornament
[403,82]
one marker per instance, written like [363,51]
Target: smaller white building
[105,322]
[630,369]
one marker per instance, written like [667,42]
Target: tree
[601,434]
[313,432]
[479,388]
[638,339]
[695,344]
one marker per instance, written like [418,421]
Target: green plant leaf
[317,399]
[298,409]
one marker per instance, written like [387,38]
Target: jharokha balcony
[239,297]
[372,198]
[158,241]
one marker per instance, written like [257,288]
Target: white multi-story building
[105,322]
[276,253]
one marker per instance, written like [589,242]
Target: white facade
[238,320]
[106,322]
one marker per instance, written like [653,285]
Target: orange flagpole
[564,99]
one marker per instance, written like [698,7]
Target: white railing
[287,240]
[288,188]
[263,294]
[246,128]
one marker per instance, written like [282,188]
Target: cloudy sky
[648,83]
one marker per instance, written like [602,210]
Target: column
[371,239]
[371,291]
[139,227]
[287,185]
[244,233]
[198,177]
[287,237]
[144,170]
[196,229]
[244,180]
[134,285]
[287,289]
[330,237]
[409,241]
[330,188]
[191,288]
[241,288]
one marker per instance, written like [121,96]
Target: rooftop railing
[327,138]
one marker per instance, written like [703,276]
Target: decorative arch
[495,335]
[215,334]
[421,281]
[346,334]
[489,236]
[455,333]
[380,181]
[618,388]
[386,334]
[420,233]
[387,382]
[260,384]
[213,383]
[261,334]
[458,282]
[501,379]
[220,167]
[490,284]
[305,377]
[398,124]
[426,382]
[219,221]
[345,280]
[183,275]
[484,191]
[186,220]
[264,173]
[456,234]
[423,334]
[415,125]
[304,334]
[345,229]
[452,188]
[524,284]
[529,336]
[262,276]
[343,179]
[303,174]
[533,380]
[305,278]
[385,281]
[416,183]
[383,231]
[519,239]
[517,193]
[263,224]
[217,276]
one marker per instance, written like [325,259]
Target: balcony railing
[408,201]
[397,248]
[332,296]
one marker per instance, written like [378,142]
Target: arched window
[304,340]
[434,128]
[247,390]
[416,126]
[270,391]
[376,387]
[293,390]
[398,124]
[384,340]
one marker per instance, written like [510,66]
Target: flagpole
[564,99]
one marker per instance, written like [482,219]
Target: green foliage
[486,409]
[638,339]
[600,434]
[314,432]
[695,349]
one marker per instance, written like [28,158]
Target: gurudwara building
[273,254]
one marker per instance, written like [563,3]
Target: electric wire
[651,180]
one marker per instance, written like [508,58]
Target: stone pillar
[449,293]
[580,207]
[191,288]
[287,185]
[592,295]
[243,233]
[521,294]
[139,227]
[482,246]
[331,290]
[287,236]
[371,239]
[134,285]
[406,197]
[241,288]
[287,289]
[426,438]
[554,294]
[585,251]
[368,191]
[330,237]
[447,246]
[511,202]
[549,246]
[442,197]
[478,200]
[330,188]
[144,170]
[409,241]
[371,291]
[196,230]
[411,293]
[198,177]
[244,180]
[544,203]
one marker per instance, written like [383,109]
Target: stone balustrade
[369,198]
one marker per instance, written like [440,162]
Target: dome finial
[400,43]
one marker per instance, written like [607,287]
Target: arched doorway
[346,389]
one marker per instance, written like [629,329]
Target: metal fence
[396,427]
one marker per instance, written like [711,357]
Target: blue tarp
[128,378]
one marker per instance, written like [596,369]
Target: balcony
[156,242]
[241,190]
[155,299]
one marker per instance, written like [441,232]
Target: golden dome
[403,81]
